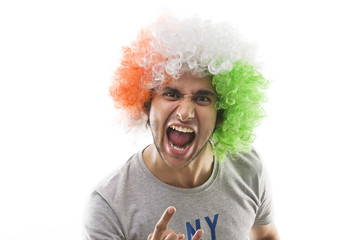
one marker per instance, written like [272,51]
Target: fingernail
[201,233]
[170,210]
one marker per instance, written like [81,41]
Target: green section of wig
[240,95]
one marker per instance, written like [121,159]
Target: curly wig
[170,47]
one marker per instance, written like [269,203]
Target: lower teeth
[178,148]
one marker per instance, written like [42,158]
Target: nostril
[185,111]
[183,117]
[179,116]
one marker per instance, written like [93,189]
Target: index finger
[163,223]
[199,233]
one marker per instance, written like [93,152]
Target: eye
[203,99]
[170,95]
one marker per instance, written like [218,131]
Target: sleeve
[100,221]
[264,214]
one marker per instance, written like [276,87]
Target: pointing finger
[163,223]
[199,233]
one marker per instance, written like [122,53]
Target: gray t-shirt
[129,203]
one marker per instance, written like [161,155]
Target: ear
[147,106]
[146,109]
[219,117]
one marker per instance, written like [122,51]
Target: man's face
[182,118]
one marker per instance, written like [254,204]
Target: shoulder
[103,217]
[243,170]
[249,163]
[116,183]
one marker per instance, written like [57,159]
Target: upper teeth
[181,129]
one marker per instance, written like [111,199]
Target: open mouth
[180,138]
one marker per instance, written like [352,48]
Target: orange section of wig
[130,87]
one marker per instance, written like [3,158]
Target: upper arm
[263,232]
[100,221]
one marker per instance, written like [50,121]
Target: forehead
[189,83]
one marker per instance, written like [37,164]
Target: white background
[57,132]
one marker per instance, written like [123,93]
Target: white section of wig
[193,45]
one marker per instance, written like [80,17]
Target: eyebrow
[174,90]
[200,92]
[206,92]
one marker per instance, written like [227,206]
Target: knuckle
[172,236]
[160,227]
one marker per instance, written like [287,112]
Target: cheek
[157,119]
[209,120]
[212,115]
[154,121]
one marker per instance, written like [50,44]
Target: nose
[185,110]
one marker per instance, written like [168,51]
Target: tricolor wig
[170,47]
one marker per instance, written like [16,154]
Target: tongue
[180,138]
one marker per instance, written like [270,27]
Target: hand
[162,232]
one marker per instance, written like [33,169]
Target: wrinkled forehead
[188,83]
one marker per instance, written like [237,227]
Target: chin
[176,161]
[180,160]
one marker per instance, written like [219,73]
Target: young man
[193,84]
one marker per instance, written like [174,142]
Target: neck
[193,175]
